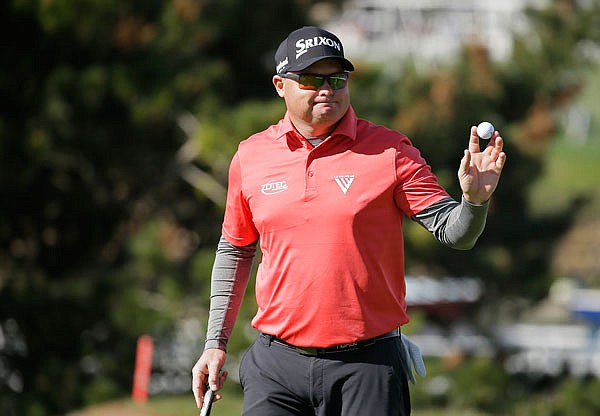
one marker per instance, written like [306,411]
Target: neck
[310,131]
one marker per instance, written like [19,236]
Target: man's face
[320,108]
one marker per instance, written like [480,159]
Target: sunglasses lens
[315,81]
[311,82]
[337,82]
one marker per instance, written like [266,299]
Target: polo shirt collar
[346,127]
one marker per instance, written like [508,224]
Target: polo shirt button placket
[310,189]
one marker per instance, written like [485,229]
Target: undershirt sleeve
[456,225]
[229,279]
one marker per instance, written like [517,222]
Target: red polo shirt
[330,225]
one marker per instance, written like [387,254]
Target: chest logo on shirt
[271,188]
[344,182]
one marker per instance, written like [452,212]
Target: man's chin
[329,111]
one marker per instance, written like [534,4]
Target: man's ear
[278,83]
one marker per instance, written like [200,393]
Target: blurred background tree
[116,129]
[100,238]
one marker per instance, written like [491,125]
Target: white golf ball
[485,129]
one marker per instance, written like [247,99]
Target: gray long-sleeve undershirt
[457,225]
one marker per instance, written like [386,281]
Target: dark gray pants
[278,381]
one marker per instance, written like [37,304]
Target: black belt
[312,351]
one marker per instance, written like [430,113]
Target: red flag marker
[143,368]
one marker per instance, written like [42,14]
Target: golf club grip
[207,402]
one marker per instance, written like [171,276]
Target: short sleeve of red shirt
[418,187]
[238,227]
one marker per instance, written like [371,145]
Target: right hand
[207,371]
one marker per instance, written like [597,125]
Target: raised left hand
[479,171]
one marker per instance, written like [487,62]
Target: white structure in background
[561,335]
[447,297]
[424,290]
[430,30]
[550,349]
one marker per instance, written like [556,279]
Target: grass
[572,164]
[184,406]
[231,405]
[571,170]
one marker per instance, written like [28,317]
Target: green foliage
[480,384]
[98,229]
[458,382]
[571,397]
[455,384]
[250,116]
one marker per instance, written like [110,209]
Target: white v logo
[344,182]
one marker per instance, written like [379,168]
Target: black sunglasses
[316,81]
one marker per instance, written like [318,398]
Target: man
[325,194]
